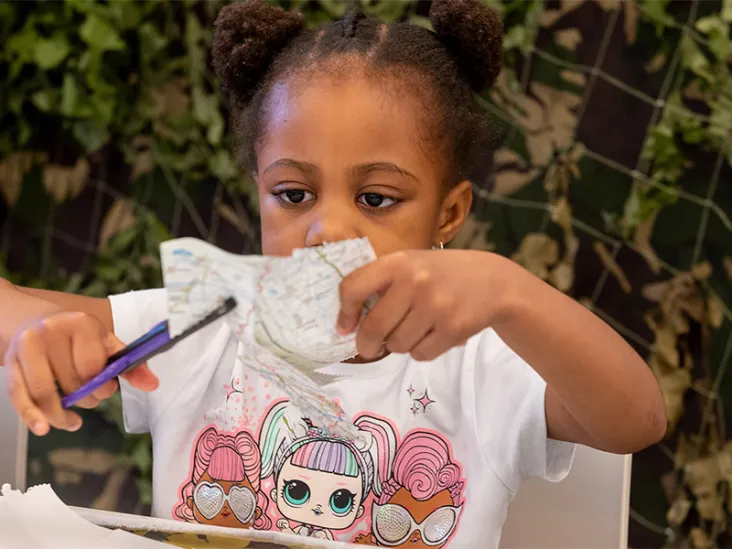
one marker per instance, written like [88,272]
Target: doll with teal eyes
[321,481]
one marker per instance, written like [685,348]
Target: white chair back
[587,510]
[14,442]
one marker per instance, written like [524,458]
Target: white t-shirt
[448,440]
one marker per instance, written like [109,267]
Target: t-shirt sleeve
[510,402]
[133,314]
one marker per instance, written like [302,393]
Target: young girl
[363,129]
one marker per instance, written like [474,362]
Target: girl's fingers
[41,385]
[58,346]
[29,413]
[141,377]
[358,287]
[412,330]
[380,321]
[90,355]
[433,345]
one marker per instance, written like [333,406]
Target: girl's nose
[330,225]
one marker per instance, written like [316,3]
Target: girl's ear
[360,512]
[273,494]
[455,210]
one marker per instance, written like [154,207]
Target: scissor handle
[130,357]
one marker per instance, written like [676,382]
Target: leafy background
[612,180]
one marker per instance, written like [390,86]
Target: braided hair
[257,45]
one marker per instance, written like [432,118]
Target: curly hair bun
[473,33]
[247,37]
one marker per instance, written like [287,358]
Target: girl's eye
[297,493]
[376,200]
[341,502]
[294,196]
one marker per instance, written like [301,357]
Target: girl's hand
[429,301]
[68,349]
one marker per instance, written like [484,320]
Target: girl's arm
[600,392]
[21,307]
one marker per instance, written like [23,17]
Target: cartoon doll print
[420,504]
[224,488]
[320,480]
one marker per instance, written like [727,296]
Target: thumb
[140,377]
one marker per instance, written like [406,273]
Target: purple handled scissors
[154,342]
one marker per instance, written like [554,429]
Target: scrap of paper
[20,514]
[290,304]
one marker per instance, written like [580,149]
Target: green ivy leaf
[693,58]
[727,10]
[126,14]
[718,32]
[151,42]
[207,111]
[49,53]
[99,34]
[90,134]
[421,21]
[45,100]
[222,165]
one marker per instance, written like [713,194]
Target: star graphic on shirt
[414,409]
[410,390]
[425,401]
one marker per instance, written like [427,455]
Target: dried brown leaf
[548,120]
[674,386]
[573,77]
[13,169]
[562,276]
[702,271]
[702,477]
[727,264]
[655,63]
[537,252]
[642,238]
[715,312]
[83,460]
[172,98]
[612,266]
[685,452]
[63,182]
[561,214]
[144,160]
[699,539]
[656,291]
[473,235]
[678,511]
[609,5]
[512,172]
[568,38]
[631,21]
[120,217]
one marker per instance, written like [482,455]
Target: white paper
[290,303]
[38,519]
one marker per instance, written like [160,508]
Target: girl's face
[224,503]
[344,158]
[318,499]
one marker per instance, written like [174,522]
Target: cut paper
[286,313]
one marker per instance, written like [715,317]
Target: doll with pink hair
[224,488]
[420,504]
